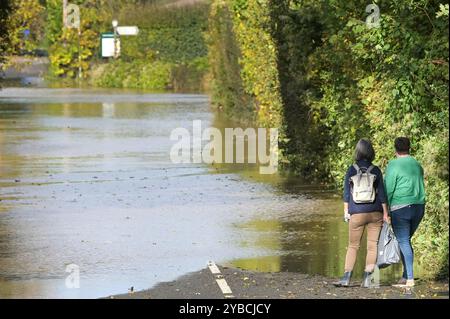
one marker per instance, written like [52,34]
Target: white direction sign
[128,30]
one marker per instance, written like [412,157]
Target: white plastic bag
[388,248]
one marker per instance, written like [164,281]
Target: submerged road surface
[90,203]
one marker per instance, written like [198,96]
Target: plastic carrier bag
[388,248]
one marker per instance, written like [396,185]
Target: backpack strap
[371,167]
[358,172]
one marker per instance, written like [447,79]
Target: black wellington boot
[345,280]
[367,280]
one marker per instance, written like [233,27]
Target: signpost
[110,41]
[71,20]
[128,30]
[115,23]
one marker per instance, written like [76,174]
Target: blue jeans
[404,223]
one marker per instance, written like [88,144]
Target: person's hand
[386,218]
[346,216]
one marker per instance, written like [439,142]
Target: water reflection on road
[86,179]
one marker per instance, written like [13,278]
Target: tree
[70,50]
[5,8]
[25,25]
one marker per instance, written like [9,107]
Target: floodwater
[87,185]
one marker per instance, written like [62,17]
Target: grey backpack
[363,185]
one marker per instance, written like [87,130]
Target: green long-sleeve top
[404,182]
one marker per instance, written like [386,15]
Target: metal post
[115,23]
[115,42]
[80,71]
[65,13]
[64,20]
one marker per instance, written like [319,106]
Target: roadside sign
[107,45]
[133,30]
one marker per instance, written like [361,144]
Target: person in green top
[405,190]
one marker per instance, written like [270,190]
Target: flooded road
[86,180]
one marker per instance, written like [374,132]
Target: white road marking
[213,267]
[221,282]
[224,286]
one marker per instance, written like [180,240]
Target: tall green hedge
[317,71]
[169,52]
[227,87]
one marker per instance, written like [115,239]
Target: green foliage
[432,239]
[175,33]
[139,74]
[252,27]
[5,8]
[25,15]
[315,69]
[54,21]
[227,86]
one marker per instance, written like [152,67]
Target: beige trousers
[358,222]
